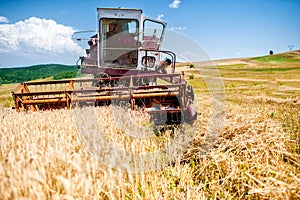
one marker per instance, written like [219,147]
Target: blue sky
[36,31]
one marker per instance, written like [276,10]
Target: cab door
[152,37]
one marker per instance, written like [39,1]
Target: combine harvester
[128,68]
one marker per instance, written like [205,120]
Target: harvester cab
[125,40]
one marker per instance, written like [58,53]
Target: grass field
[257,155]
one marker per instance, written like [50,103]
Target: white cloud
[175,4]
[179,28]
[159,17]
[3,19]
[37,36]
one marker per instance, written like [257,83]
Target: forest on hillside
[19,74]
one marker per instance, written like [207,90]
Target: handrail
[105,89]
[149,75]
[78,32]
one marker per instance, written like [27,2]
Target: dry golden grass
[60,154]
[42,156]
[254,157]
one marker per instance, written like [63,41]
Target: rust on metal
[161,101]
[72,92]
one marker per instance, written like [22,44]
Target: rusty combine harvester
[127,64]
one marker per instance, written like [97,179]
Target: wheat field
[44,157]
[89,153]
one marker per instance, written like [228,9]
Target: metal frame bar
[69,96]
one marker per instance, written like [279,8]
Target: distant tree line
[19,74]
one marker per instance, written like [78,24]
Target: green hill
[19,74]
[292,56]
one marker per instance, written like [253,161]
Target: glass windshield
[118,42]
